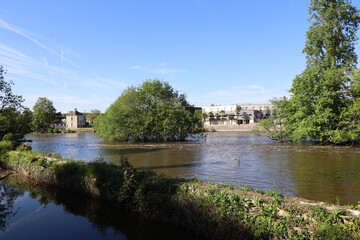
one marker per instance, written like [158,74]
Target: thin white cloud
[17,30]
[11,53]
[65,85]
[92,79]
[62,55]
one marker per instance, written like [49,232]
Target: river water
[323,173]
[34,213]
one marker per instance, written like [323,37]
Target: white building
[235,114]
[228,109]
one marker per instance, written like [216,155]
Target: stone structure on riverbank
[230,127]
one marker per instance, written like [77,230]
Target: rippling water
[325,173]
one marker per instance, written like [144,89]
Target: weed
[247,188]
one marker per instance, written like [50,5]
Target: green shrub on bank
[5,147]
[53,130]
[215,211]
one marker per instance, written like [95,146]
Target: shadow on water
[126,151]
[107,220]
[169,166]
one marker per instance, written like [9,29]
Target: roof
[75,112]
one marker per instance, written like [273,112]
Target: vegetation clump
[325,100]
[44,115]
[15,119]
[153,111]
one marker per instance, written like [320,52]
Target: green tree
[321,95]
[15,119]
[152,111]
[92,115]
[44,114]
[273,126]
[349,126]
[332,36]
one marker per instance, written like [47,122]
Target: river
[32,212]
[322,173]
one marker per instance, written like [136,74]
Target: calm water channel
[325,173]
[33,213]
[315,172]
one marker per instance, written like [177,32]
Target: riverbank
[215,211]
[230,128]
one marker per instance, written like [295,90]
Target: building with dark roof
[75,120]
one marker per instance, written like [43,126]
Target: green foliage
[92,115]
[5,147]
[324,105]
[53,130]
[274,125]
[44,114]
[152,111]
[15,119]
[331,224]
[332,35]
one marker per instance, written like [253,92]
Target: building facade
[59,124]
[236,114]
[75,120]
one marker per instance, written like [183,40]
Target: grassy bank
[214,211]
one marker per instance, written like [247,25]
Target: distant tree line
[16,120]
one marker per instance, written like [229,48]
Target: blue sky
[83,54]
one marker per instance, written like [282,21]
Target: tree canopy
[92,115]
[15,119]
[151,111]
[332,36]
[325,103]
[44,114]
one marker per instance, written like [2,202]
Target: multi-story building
[75,120]
[236,114]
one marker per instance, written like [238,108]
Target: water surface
[33,212]
[325,173]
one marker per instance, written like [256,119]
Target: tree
[92,115]
[15,119]
[332,36]
[152,111]
[273,125]
[44,114]
[321,95]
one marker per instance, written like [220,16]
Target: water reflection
[37,213]
[314,172]
[8,195]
